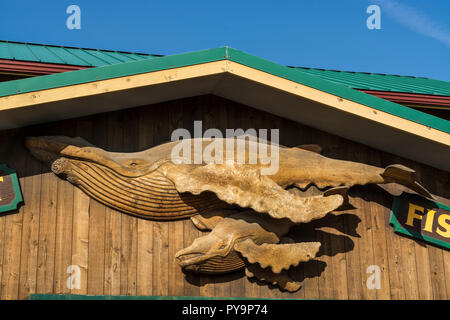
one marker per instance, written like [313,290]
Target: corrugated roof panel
[69,56]
[103,56]
[45,55]
[21,52]
[65,55]
[383,82]
[93,59]
[5,53]
[121,56]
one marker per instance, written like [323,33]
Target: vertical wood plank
[128,264]
[160,258]
[176,276]
[64,223]
[81,207]
[160,230]
[145,258]
[113,218]
[446,258]
[379,229]
[192,281]
[394,263]
[144,227]
[64,236]
[97,219]
[366,252]
[80,238]
[353,261]
[5,145]
[113,227]
[353,264]
[11,255]
[339,268]
[442,184]
[13,230]
[96,259]
[423,272]
[47,233]
[365,248]
[2,249]
[438,281]
[435,254]
[408,261]
[337,245]
[30,229]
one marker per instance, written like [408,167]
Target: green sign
[421,218]
[10,194]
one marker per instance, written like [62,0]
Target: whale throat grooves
[152,196]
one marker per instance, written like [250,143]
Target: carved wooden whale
[152,184]
[148,184]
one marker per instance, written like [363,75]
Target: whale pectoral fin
[245,186]
[208,220]
[282,279]
[278,257]
[311,147]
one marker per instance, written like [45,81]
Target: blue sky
[414,38]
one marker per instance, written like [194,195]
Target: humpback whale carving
[150,184]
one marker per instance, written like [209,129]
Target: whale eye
[134,163]
[222,246]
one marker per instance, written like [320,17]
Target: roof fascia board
[115,84]
[111,71]
[344,105]
[338,90]
[284,85]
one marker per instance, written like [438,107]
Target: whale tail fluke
[405,176]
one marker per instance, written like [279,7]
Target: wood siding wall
[118,254]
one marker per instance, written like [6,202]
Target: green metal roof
[382,82]
[66,55]
[96,58]
[224,53]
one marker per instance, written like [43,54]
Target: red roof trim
[413,98]
[37,68]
